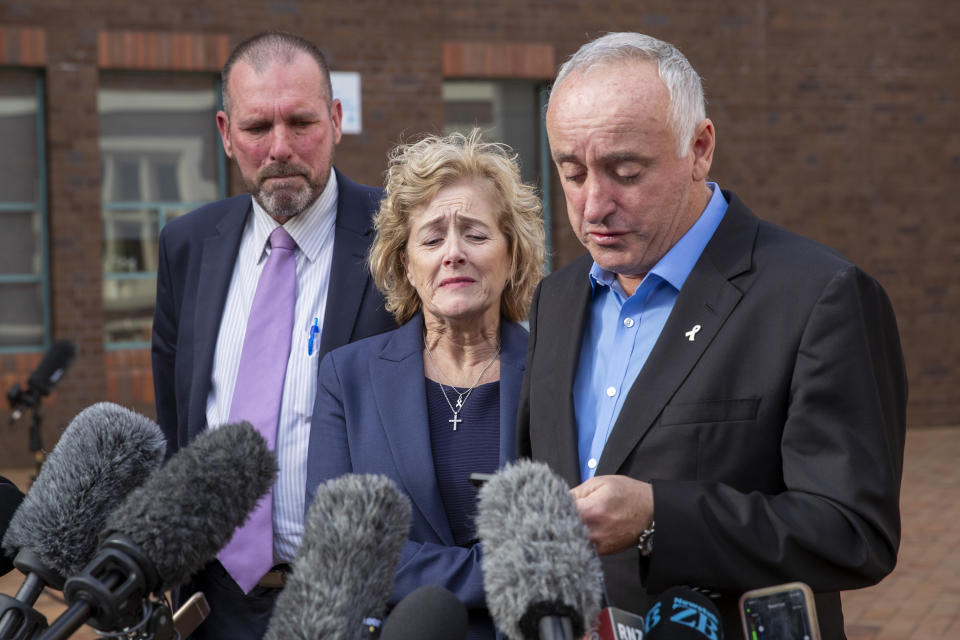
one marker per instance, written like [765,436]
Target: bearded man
[252,291]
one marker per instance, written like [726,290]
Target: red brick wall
[833,119]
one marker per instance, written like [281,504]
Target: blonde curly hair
[415,173]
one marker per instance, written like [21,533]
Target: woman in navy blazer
[458,252]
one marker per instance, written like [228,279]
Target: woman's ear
[406,270]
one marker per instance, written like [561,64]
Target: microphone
[343,574]
[542,577]
[10,499]
[104,453]
[47,374]
[165,530]
[429,612]
[617,624]
[52,367]
[683,614]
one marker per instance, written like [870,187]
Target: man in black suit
[280,124]
[726,398]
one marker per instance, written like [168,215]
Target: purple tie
[257,395]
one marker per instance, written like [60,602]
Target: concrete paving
[920,600]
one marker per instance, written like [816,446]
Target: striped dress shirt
[313,231]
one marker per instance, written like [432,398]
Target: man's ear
[704,140]
[336,118]
[223,126]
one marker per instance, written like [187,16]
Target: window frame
[162,208]
[40,206]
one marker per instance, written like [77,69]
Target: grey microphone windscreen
[427,613]
[187,511]
[344,570]
[104,454]
[537,557]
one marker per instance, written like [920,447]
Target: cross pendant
[455,420]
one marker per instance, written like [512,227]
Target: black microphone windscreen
[344,570]
[429,612]
[10,499]
[104,454]
[537,557]
[52,367]
[681,613]
[187,511]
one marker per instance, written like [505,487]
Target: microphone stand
[36,442]
[113,593]
[39,383]
[21,401]
[555,628]
[18,619]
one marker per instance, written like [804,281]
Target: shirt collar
[676,265]
[309,228]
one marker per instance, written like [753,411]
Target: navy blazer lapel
[512,364]
[348,269]
[216,270]
[401,396]
[561,337]
[706,300]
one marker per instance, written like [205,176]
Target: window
[508,111]
[161,157]
[24,272]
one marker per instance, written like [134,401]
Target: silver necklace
[461,397]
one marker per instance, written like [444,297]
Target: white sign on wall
[346,87]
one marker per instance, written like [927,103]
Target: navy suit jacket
[197,255]
[773,440]
[371,417]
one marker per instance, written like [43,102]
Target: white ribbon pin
[692,333]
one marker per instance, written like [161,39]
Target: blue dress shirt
[622,330]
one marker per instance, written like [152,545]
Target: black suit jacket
[773,440]
[197,254]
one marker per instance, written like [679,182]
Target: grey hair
[265,48]
[687,102]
